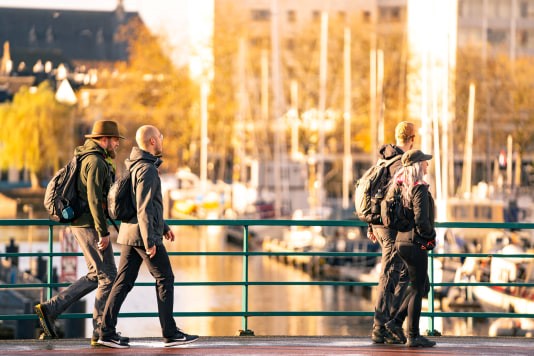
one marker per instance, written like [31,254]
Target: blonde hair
[404,132]
[407,177]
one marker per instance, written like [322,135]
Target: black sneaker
[115,341]
[95,337]
[179,338]
[396,330]
[46,321]
[420,341]
[381,335]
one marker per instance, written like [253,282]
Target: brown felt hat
[105,128]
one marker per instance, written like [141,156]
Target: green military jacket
[96,177]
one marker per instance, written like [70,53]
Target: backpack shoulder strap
[390,161]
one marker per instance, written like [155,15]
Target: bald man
[142,241]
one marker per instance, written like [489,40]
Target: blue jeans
[160,268]
[102,272]
[393,279]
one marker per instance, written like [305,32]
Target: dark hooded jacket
[147,227]
[96,176]
[424,212]
[389,151]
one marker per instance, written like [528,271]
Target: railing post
[431,330]
[244,289]
[50,264]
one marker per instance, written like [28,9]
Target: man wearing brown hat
[90,229]
[393,279]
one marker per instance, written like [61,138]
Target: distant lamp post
[317,125]
[28,208]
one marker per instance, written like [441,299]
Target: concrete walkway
[275,345]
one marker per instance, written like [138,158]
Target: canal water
[228,298]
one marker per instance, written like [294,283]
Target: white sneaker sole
[113,344]
[178,343]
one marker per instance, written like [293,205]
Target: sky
[185,22]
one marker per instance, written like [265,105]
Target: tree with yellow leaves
[34,128]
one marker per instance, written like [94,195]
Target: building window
[291,16]
[261,15]
[366,16]
[395,13]
[496,37]
[526,39]
[470,8]
[389,14]
[382,14]
[290,44]
[461,10]
[257,42]
[468,37]
[523,39]
[32,36]
[498,9]
[526,9]
[49,35]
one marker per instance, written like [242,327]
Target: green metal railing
[245,313]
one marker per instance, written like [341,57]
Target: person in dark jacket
[90,229]
[393,279]
[413,247]
[142,241]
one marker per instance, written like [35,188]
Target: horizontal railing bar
[280,283]
[257,253]
[283,222]
[272,313]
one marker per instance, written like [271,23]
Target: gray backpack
[370,190]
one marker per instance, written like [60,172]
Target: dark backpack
[370,190]
[394,214]
[61,199]
[121,200]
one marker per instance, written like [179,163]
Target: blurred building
[76,38]
[44,44]
[497,26]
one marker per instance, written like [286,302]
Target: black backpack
[121,199]
[370,190]
[394,214]
[61,199]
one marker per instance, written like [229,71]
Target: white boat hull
[493,300]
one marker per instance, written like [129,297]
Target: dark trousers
[416,260]
[160,268]
[393,279]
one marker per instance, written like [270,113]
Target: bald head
[148,139]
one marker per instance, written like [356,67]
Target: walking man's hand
[103,243]
[151,251]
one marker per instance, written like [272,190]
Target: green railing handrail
[245,283]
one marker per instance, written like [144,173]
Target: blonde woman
[413,248]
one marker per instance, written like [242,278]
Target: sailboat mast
[281,192]
[347,158]
[468,150]
[322,103]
